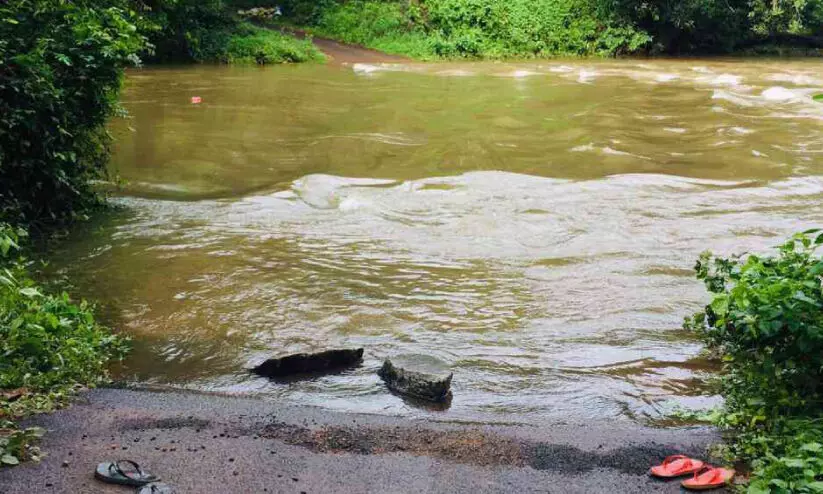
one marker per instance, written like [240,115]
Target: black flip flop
[113,473]
[155,488]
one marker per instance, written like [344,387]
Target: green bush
[186,30]
[49,345]
[770,17]
[61,65]
[477,28]
[212,31]
[785,459]
[306,12]
[766,318]
[361,22]
[714,26]
[765,321]
[47,341]
[540,28]
[264,46]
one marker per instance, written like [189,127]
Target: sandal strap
[119,469]
[704,469]
[673,458]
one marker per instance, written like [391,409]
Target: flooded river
[534,225]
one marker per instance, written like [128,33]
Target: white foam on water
[797,79]
[666,77]
[721,80]
[351,204]
[520,73]
[455,73]
[778,93]
[737,99]
[582,149]
[702,70]
[364,68]
[586,76]
[367,68]
[616,152]
[675,130]
[329,192]
[561,69]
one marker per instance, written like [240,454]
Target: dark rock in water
[419,376]
[303,363]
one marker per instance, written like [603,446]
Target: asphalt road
[214,444]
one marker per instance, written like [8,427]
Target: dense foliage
[61,65]
[46,340]
[765,321]
[479,28]
[48,345]
[527,28]
[251,44]
[211,31]
[720,26]
[183,30]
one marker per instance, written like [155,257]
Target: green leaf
[30,292]
[720,305]
[758,490]
[63,59]
[805,298]
[818,97]
[36,431]
[9,460]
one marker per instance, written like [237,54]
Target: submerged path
[205,443]
[341,53]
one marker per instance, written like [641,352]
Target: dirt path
[213,444]
[340,53]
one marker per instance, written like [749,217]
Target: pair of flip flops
[705,477]
[127,472]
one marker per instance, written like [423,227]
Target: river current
[535,225]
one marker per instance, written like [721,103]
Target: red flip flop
[676,466]
[707,478]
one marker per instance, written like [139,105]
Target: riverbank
[204,443]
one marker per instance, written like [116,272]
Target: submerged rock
[419,376]
[302,363]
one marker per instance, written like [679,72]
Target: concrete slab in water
[420,376]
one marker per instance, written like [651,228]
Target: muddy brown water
[535,225]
